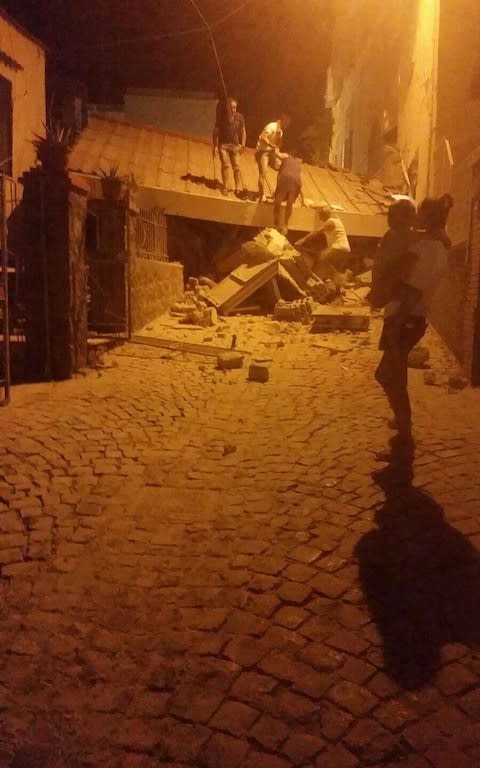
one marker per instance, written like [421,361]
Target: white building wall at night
[22,73]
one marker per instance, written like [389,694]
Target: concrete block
[259,372]
[227,361]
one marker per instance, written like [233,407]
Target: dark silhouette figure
[420,576]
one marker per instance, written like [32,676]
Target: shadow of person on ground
[204,180]
[215,184]
[420,576]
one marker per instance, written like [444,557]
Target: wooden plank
[325,323]
[181,346]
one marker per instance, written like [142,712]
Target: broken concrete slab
[338,319]
[227,361]
[239,285]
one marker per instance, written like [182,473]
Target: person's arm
[243,135]
[215,139]
[304,241]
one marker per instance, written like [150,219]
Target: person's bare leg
[288,210]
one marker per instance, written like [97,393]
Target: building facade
[404,89]
[22,96]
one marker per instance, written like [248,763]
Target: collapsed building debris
[194,309]
[269,275]
[269,260]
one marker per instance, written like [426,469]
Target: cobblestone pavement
[201,571]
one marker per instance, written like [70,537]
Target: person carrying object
[289,187]
[405,314]
[268,146]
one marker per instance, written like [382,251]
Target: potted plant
[113,185]
[53,149]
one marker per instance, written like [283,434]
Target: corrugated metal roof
[176,172]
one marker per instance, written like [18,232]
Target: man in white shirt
[268,145]
[336,254]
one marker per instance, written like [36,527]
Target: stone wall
[155,286]
[447,312]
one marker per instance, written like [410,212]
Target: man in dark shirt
[229,137]
[289,187]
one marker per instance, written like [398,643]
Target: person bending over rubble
[268,146]
[289,187]
[229,137]
[405,315]
[326,260]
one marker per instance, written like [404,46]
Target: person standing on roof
[335,256]
[229,137]
[268,145]
[289,187]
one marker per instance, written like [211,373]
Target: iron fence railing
[151,234]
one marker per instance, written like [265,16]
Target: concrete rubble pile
[269,276]
[272,272]
[194,309]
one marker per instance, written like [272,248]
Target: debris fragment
[418,357]
[429,378]
[300,310]
[336,319]
[227,361]
[457,382]
[258,372]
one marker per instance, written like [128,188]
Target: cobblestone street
[201,571]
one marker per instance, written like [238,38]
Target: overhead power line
[174,34]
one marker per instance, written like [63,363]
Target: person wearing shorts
[289,187]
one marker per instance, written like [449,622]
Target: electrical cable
[173,35]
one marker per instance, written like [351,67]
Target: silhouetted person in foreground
[420,576]
[405,315]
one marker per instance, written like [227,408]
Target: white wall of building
[28,91]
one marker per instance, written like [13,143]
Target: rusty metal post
[46,298]
[128,270]
[4,292]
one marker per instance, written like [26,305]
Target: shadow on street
[420,576]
